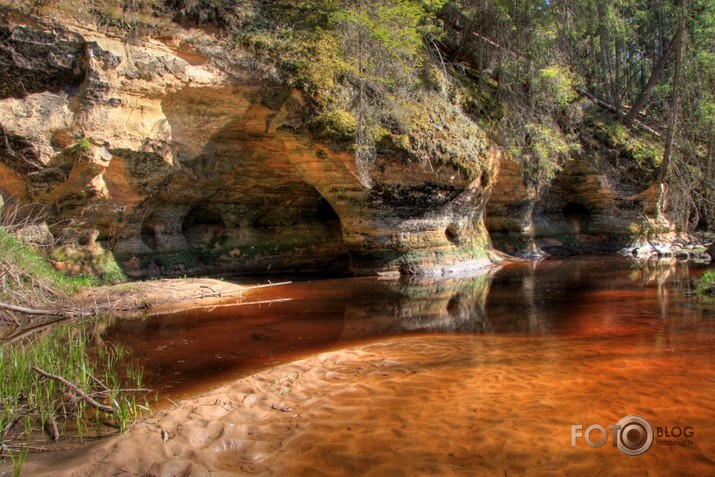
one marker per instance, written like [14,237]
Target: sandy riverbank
[161,296]
[156,297]
[415,406]
[337,413]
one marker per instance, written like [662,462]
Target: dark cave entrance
[451,234]
[577,215]
[203,227]
[148,235]
[149,232]
[326,213]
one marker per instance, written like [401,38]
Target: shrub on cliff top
[337,126]
[366,66]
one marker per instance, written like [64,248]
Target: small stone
[37,234]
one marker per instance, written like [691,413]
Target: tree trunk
[608,73]
[675,97]
[656,76]
[711,157]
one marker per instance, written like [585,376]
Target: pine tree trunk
[675,97]
[656,76]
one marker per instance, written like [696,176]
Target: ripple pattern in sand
[432,405]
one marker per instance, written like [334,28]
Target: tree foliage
[383,44]
[534,66]
[650,62]
[513,47]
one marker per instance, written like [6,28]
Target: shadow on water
[586,297]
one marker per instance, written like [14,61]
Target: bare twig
[52,429]
[11,424]
[16,216]
[218,293]
[97,381]
[108,392]
[237,290]
[72,387]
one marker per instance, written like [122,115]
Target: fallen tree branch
[72,387]
[238,290]
[10,318]
[21,447]
[246,303]
[217,293]
[609,107]
[261,302]
[28,331]
[29,311]
[500,47]
[213,306]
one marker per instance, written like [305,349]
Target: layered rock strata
[181,156]
[588,208]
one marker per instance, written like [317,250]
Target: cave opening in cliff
[148,236]
[326,213]
[148,232]
[577,214]
[451,234]
[202,227]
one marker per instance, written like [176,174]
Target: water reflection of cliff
[585,295]
[591,297]
[444,304]
[532,298]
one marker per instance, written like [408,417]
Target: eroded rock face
[182,157]
[179,159]
[509,212]
[34,59]
[588,208]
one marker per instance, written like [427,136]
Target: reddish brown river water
[518,371]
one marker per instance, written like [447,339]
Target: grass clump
[706,284]
[35,396]
[27,277]
[52,380]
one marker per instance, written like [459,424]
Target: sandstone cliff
[187,153]
[180,155]
[603,201]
